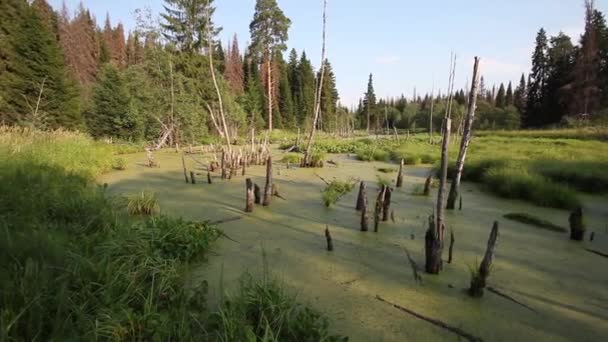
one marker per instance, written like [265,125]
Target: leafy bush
[412,160]
[371,153]
[334,190]
[534,221]
[143,203]
[119,164]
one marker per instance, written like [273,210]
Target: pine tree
[110,116]
[185,23]
[119,51]
[33,66]
[509,99]
[501,97]
[268,36]
[560,63]
[369,102]
[537,83]
[520,95]
[586,97]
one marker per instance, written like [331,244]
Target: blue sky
[404,43]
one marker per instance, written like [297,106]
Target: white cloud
[389,59]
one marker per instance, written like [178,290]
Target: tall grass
[143,203]
[263,310]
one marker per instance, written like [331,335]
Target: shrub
[119,164]
[292,158]
[143,203]
[334,190]
[535,221]
[412,160]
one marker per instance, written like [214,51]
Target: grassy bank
[75,266]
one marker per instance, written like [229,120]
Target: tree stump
[249,199]
[257,194]
[433,247]
[427,185]
[209,177]
[361,197]
[192,179]
[364,216]
[244,171]
[184,168]
[387,204]
[330,244]
[452,196]
[577,225]
[223,166]
[478,279]
[451,249]
[460,204]
[378,208]
[268,187]
[399,183]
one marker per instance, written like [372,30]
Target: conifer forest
[164,178]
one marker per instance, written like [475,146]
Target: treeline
[62,70]
[568,85]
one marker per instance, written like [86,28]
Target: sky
[404,44]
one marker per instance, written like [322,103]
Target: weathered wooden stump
[257,194]
[433,247]
[399,182]
[379,206]
[387,204]
[192,179]
[244,171]
[361,197]
[330,244]
[577,225]
[184,168]
[427,185]
[268,186]
[249,192]
[364,216]
[460,204]
[451,249]
[478,279]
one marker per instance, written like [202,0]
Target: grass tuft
[143,203]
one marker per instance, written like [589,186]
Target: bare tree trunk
[192,179]
[364,216]
[269,77]
[431,114]
[249,195]
[451,249]
[361,197]
[399,182]
[466,138]
[256,194]
[209,181]
[379,206]
[478,280]
[319,89]
[184,168]
[435,233]
[214,121]
[215,84]
[386,205]
[268,187]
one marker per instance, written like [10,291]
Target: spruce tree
[537,83]
[329,99]
[306,89]
[520,95]
[185,23]
[369,102]
[110,116]
[501,97]
[560,64]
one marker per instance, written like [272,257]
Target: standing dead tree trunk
[435,234]
[479,277]
[451,250]
[466,138]
[256,194]
[215,84]
[364,216]
[268,187]
[192,179]
[249,195]
[386,206]
[184,168]
[379,206]
[399,182]
[577,226]
[307,155]
[361,197]
[330,244]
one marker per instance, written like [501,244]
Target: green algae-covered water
[566,285]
